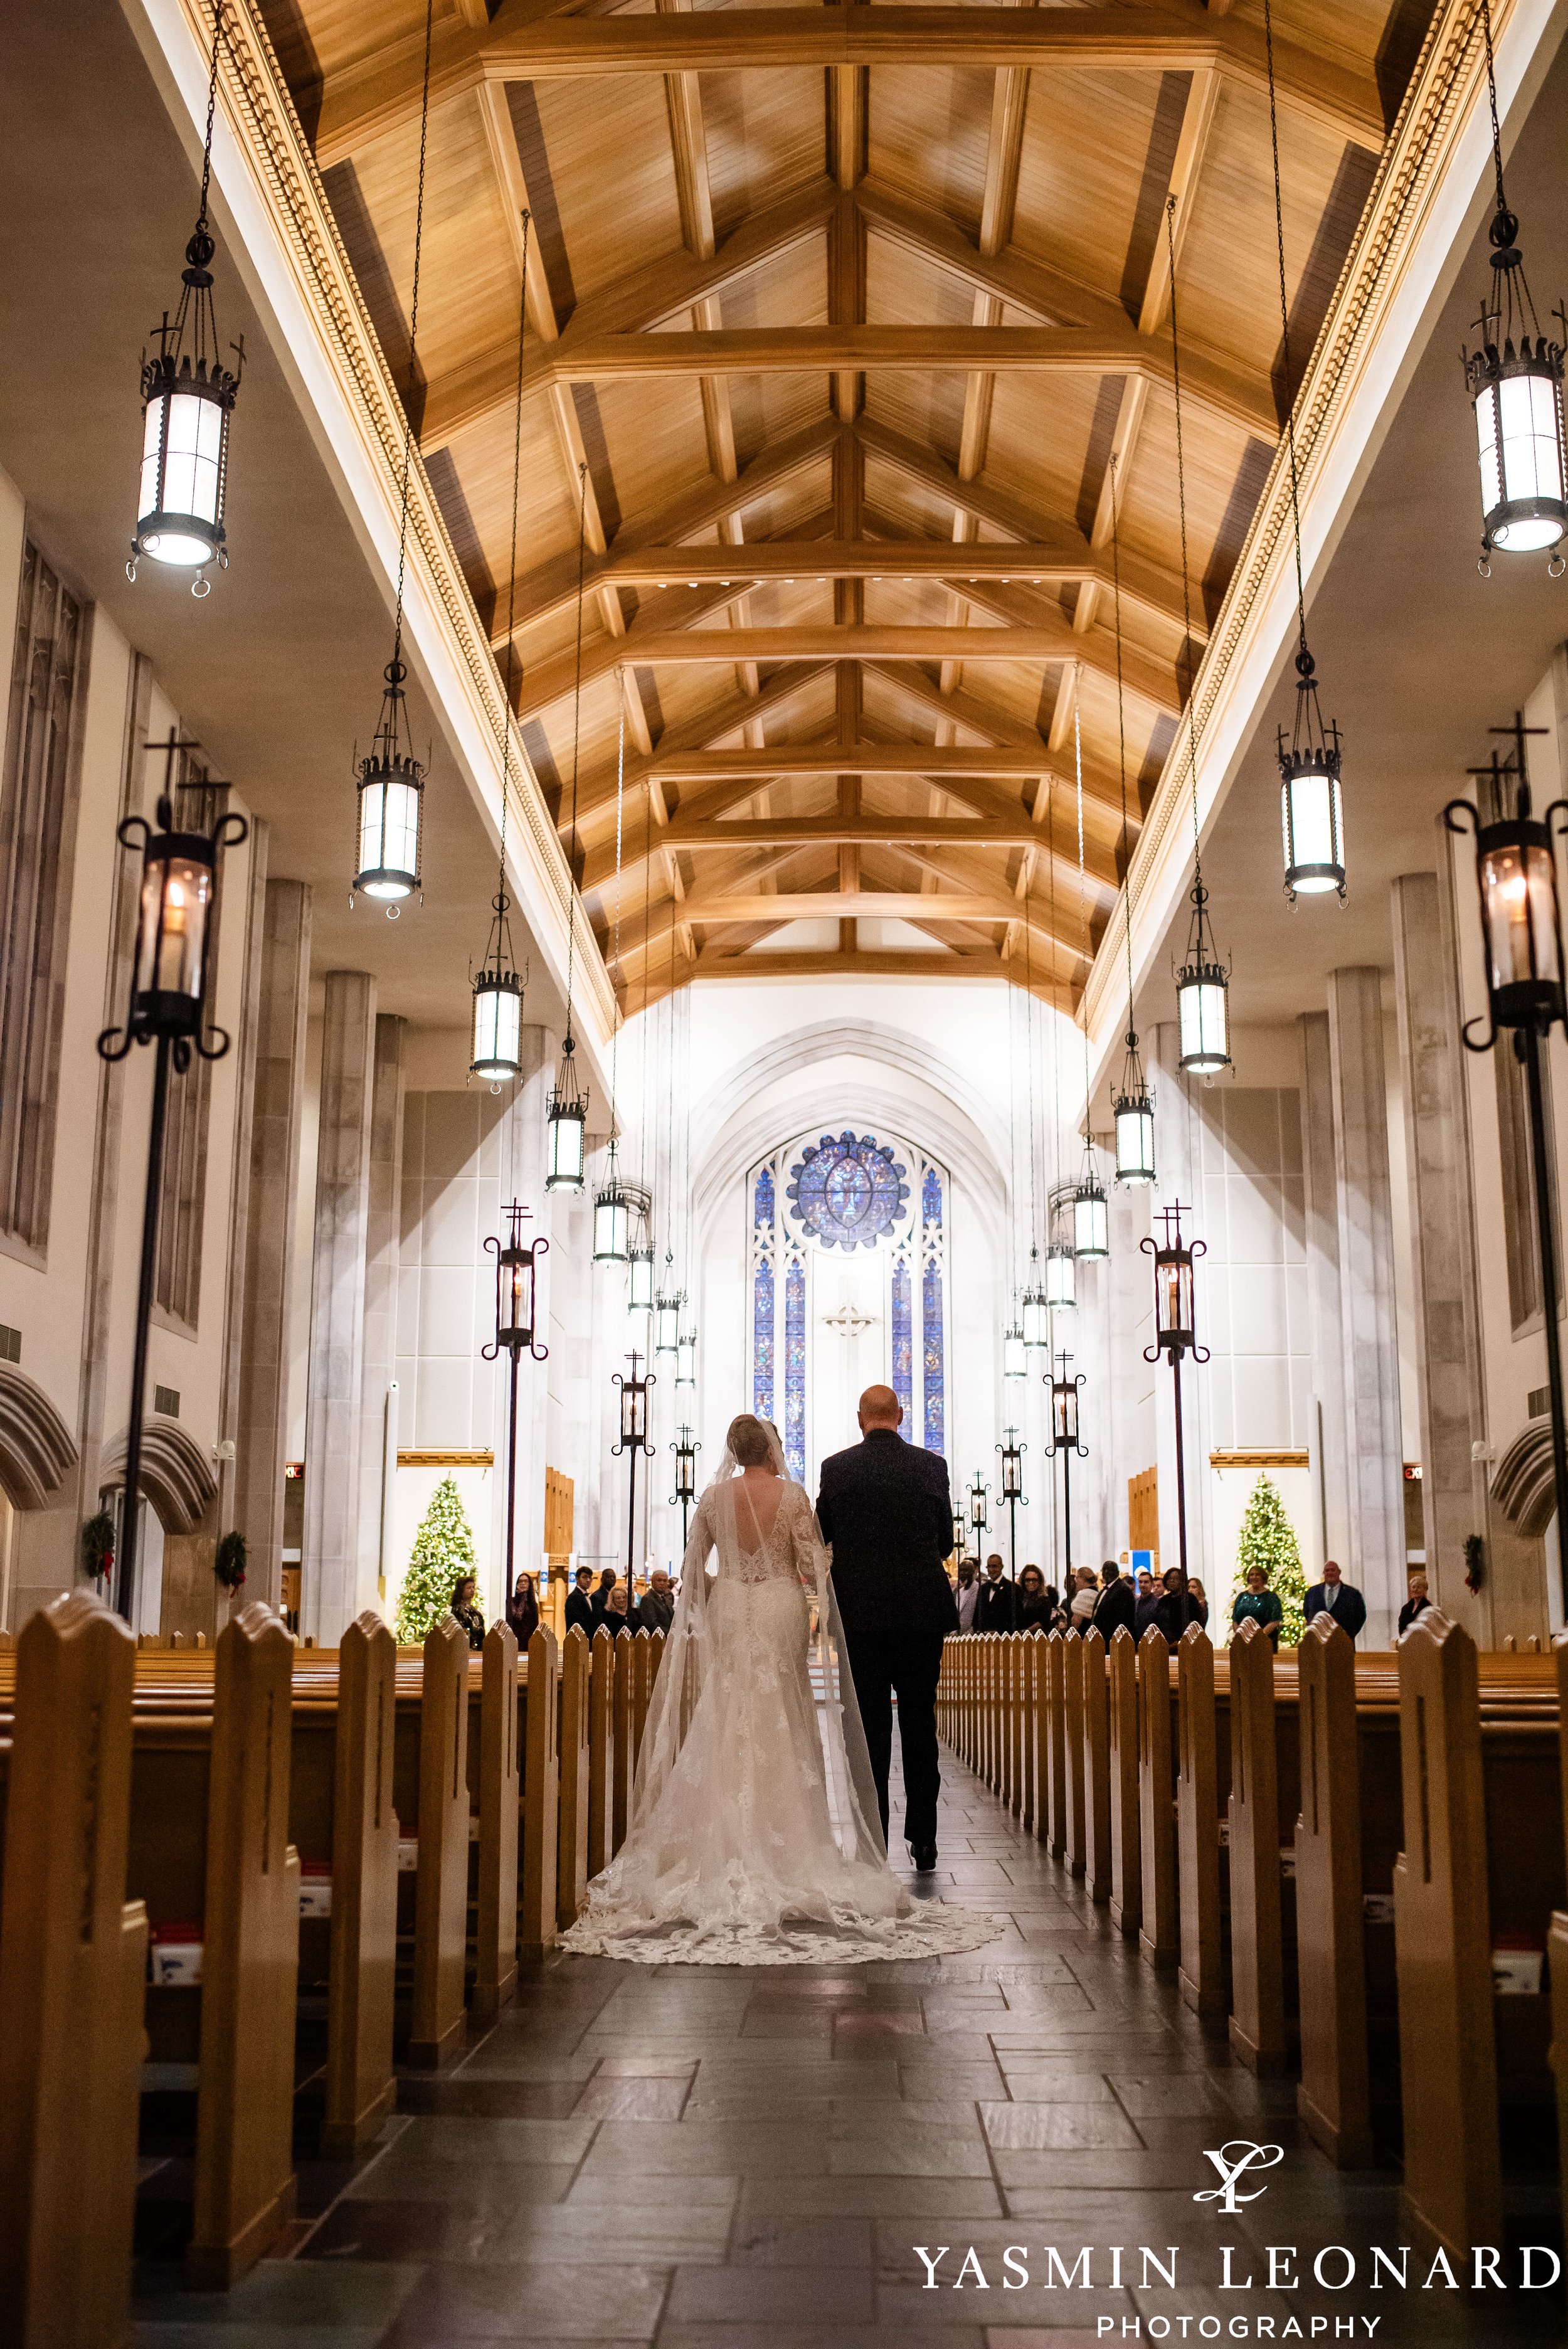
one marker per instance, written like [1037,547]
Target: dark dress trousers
[996,1607]
[884,1506]
[1349,1610]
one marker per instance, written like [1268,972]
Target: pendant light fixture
[1515,383]
[186,399]
[1037,1328]
[567,1116]
[612,1208]
[1014,1365]
[1203,981]
[391,779]
[667,1311]
[1091,1215]
[1311,815]
[1132,1104]
[1061,1280]
[497,988]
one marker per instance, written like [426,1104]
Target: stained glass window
[762,1296]
[903,1341]
[846,1192]
[930,1315]
[795,1370]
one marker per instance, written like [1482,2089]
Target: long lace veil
[688,1660]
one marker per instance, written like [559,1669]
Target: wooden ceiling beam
[811,904]
[934,764]
[865,831]
[968,710]
[842,963]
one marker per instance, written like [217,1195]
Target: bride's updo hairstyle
[748,1441]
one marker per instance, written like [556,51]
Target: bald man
[884,1506]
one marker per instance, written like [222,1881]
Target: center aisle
[718,2159]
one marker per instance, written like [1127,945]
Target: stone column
[261,1436]
[329,1595]
[1450,1364]
[1322,1236]
[383,1236]
[1370,1351]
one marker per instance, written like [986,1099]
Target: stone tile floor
[727,2159]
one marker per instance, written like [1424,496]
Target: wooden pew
[73,1964]
[363,1962]
[623,1654]
[1057,1740]
[536,1917]
[1482,1868]
[1202,1785]
[1158,1936]
[1123,1735]
[441,1885]
[1334,2096]
[1257,1933]
[499,1791]
[1073,1708]
[244,2122]
[600,1753]
[1095,1733]
[572,1835]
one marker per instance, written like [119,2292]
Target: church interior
[664,659]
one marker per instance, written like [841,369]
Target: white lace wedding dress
[754,1837]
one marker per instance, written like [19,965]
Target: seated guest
[1334,1595]
[1117,1603]
[1199,1598]
[466,1608]
[1415,1606]
[657,1607]
[965,1594]
[1037,1606]
[1258,1604]
[522,1610]
[996,1607]
[580,1603]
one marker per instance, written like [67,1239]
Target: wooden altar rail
[200,1781]
[1329,1848]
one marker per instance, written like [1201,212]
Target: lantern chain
[413,342]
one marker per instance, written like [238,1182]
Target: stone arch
[176,1473]
[1523,1486]
[37,1451]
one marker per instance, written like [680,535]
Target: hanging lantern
[667,1317]
[1092,1214]
[391,795]
[640,1286]
[1037,1328]
[1310,811]
[1515,383]
[1132,1106]
[685,1359]
[612,1219]
[498,1002]
[1013,1362]
[1061,1283]
[1202,997]
[188,398]
[565,1123]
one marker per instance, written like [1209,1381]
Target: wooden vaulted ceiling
[854,316]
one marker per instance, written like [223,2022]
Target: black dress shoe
[924,1858]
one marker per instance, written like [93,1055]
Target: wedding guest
[1084,1599]
[657,1607]
[1173,1607]
[1037,1607]
[522,1610]
[602,1596]
[1054,1600]
[466,1608]
[1117,1603]
[1415,1606]
[1336,1597]
[967,1592]
[1259,1604]
[996,1608]
[580,1603]
[1199,1598]
[1146,1604]
[616,1618]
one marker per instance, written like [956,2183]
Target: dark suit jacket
[996,1608]
[1349,1609]
[1114,1607]
[884,1506]
[580,1612]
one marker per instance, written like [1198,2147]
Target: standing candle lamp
[171,978]
[1064,1442]
[685,1449]
[515,1313]
[634,1439]
[979,1517]
[1012,1452]
[1521,929]
[1175,1333]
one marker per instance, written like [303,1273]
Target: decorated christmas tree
[443,1549]
[1268,1540]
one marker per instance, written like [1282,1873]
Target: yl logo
[1232,2161]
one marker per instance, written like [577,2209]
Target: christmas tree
[443,1549]
[1268,1540]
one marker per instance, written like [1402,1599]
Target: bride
[754,1837]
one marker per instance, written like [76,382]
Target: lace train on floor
[931,1930]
